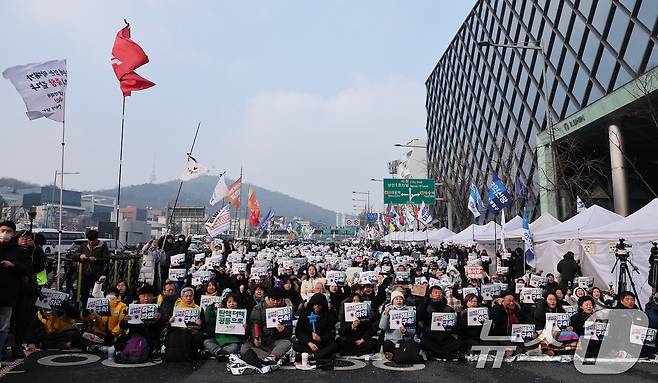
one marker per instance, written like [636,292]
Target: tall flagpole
[237,209]
[61,195]
[116,226]
[246,215]
[171,216]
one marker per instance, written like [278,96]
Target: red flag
[254,217]
[126,57]
[233,195]
[254,207]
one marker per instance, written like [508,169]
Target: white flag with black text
[42,87]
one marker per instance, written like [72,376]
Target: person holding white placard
[187,331]
[356,336]
[438,343]
[107,327]
[469,334]
[269,344]
[549,304]
[393,336]
[505,312]
[148,329]
[221,345]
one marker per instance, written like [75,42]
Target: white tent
[641,226]
[513,224]
[594,216]
[477,233]
[639,229]
[545,221]
[407,236]
[437,236]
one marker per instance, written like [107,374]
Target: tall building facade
[487,105]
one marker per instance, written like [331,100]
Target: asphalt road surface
[212,370]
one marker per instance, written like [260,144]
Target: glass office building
[486,109]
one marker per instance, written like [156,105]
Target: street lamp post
[548,204]
[367,201]
[410,146]
[364,203]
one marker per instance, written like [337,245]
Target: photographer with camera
[150,257]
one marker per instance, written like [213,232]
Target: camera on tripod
[621,248]
[623,259]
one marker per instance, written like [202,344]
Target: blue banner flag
[499,198]
[520,189]
[262,225]
[475,204]
[527,241]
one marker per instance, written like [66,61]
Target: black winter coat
[325,324]
[11,277]
[568,268]
[102,257]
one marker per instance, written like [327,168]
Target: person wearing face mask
[25,310]
[14,267]
[103,329]
[94,256]
[395,335]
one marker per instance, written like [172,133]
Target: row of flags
[229,192]
[499,199]
[42,86]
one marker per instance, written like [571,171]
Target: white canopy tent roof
[441,234]
[640,226]
[545,221]
[437,236]
[413,236]
[477,233]
[513,224]
[593,217]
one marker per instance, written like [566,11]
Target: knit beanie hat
[396,294]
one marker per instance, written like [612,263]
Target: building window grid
[463,123]
[578,67]
[497,53]
[543,21]
[536,79]
[493,135]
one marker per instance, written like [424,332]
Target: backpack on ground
[406,352]
[179,346]
[136,350]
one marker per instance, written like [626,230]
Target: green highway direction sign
[409,191]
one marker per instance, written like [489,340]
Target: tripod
[625,275]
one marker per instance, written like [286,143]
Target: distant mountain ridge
[197,192]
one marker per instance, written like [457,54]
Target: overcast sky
[309,97]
